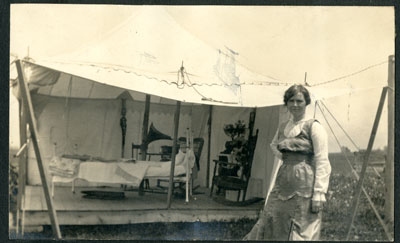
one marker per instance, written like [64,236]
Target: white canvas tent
[69,125]
[146,54]
[76,96]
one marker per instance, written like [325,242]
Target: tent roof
[151,53]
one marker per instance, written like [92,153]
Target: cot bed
[121,173]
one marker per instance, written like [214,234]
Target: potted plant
[236,133]
[236,147]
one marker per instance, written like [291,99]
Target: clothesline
[254,82]
[349,75]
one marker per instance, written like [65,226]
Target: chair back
[251,146]
[197,149]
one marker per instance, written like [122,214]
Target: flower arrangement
[234,131]
[238,144]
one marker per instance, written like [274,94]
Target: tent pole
[252,120]
[377,214]
[209,146]
[143,147]
[123,125]
[173,155]
[21,161]
[389,167]
[26,98]
[365,162]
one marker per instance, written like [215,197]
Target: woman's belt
[294,158]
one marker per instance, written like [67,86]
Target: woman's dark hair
[293,90]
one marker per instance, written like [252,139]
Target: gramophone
[152,135]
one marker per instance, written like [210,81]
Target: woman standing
[293,209]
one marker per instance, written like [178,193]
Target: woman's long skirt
[290,219]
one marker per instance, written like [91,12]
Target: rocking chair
[227,180]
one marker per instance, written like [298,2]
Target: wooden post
[145,128]
[209,146]
[123,124]
[252,120]
[365,162]
[26,98]
[173,155]
[377,214]
[23,137]
[389,168]
[187,164]
[21,161]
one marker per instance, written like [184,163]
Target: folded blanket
[133,173]
[64,167]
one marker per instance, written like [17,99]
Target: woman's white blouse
[320,145]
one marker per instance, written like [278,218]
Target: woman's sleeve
[322,164]
[274,145]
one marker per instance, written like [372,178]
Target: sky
[283,42]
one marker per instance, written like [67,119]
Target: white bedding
[128,172]
[100,172]
[164,170]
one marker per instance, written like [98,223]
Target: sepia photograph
[201,122]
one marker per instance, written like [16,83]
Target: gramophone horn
[154,135]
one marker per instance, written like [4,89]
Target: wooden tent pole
[365,162]
[26,98]
[145,128]
[173,155]
[123,124]
[187,164]
[23,138]
[377,214]
[209,146]
[21,161]
[389,167]
[143,146]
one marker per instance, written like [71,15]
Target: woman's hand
[316,206]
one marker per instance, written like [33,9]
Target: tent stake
[173,155]
[26,98]
[365,162]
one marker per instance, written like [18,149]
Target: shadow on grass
[149,231]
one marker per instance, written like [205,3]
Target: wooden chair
[232,181]
[178,182]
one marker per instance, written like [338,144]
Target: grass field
[340,198]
